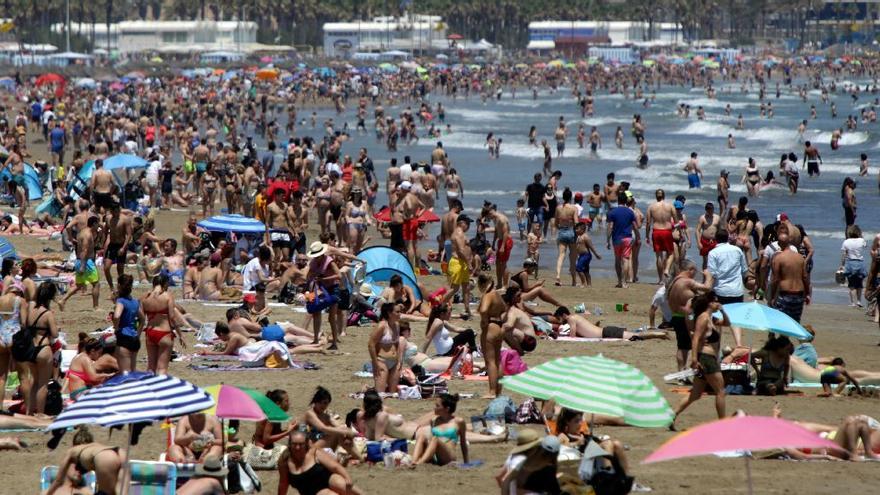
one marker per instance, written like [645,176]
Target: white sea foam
[846,139]
[712,103]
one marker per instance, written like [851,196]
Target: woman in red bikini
[158,305]
[82,374]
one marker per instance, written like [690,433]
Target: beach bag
[375,452]
[287,295]
[528,413]
[609,482]
[275,362]
[511,363]
[242,478]
[54,402]
[262,459]
[501,407]
[433,386]
[321,301]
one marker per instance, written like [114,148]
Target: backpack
[287,295]
[501,407]
[528,413]
[54,402]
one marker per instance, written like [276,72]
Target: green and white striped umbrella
[598,385]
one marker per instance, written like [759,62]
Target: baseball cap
[405,185]
[782,217]
[578,195]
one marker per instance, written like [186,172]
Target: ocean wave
[712,103]
[602,121]
[774,135]
[846,139]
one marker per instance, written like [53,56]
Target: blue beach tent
[382,263]
[31,178]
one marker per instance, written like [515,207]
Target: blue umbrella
[124,160]
[7,83]
[7,250]
[233,223]
[134,398]
[760,318]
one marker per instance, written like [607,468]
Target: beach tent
[31,178]
[233,223]
[7,250]
[124,160]
[382,263]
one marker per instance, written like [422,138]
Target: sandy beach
[842,331]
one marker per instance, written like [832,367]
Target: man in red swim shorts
[659,218]
[503,241]
[411,208]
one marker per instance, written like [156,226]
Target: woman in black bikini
[530,292]
[87,455]
[706,345]
[34,362]
[312,471]
[209,187]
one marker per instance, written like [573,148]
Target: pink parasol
[233,403]
[743,433]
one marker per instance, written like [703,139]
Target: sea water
[671,139]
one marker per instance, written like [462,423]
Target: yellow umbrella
[267,74]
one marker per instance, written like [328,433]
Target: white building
[168,36]
[546,35]
[408,33]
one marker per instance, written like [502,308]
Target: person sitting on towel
[581,327]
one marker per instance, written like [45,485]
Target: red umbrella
[50,78]
[454,36]
[384,215]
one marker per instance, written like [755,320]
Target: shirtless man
[86,272]
[679,294]
[447,226]
[102,185]
[439,161]
[584,328]
[503,242]
[410,208]
[78,222]
[723,187]
[171,262]
[116,243]
[197,437]
[211,280]
[595,200]
[659,218]
[694,173]
[637,237]
[611,189]
[517,328]
[458,270]
[201,157]
[279,229]
[393,177]
[812,159]
[298,220]
[707,226]
[492,310]
[189,238]
[790,287]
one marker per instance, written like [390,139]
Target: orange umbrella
[267,74]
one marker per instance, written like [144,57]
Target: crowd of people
[318,201]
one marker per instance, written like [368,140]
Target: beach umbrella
[7,250]
[388,67]
[7,83]
[136,74]
[233,223]
[427,216]
[759,318]
[124,160]
[266,74]
[442,56]
[244,404]
[743,433]
[50,78]
[597,385]
[570,65]
[134,397]
[85,82]
[157,59]
[648,63]
[539,65]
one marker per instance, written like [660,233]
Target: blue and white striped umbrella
[233,223]
[133,398]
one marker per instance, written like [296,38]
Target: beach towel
[257,353]
[304,365]
[585,339]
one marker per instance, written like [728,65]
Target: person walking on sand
[680,291]
[658,231]
[620,224]
[706,342]
[86,272]
[790,287]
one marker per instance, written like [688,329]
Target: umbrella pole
[126,468]
[749,475]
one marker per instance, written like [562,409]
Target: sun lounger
[49,473]
[152,478]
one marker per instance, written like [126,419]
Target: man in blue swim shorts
[86,272]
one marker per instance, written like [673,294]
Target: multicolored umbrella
[743,433]
[598,385]
[244,404]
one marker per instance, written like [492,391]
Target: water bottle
[386,453]
[597,311]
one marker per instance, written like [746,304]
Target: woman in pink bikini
[82,374]
[158,306]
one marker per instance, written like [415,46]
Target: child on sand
[836,374]
[533,242]
[585,251]
[521,218]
